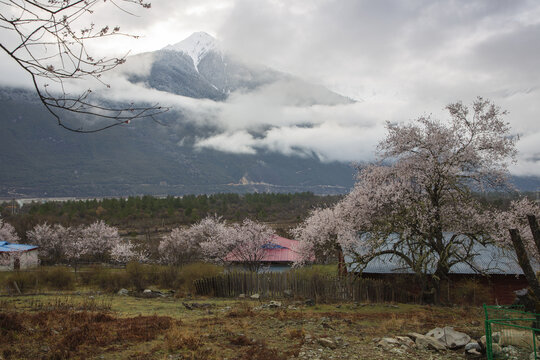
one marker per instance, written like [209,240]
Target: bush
[26,281]
[57,278]
[317,271]
[191,272]
[470,292]
[139,275]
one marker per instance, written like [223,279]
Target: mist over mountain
[197,67]
[189,151]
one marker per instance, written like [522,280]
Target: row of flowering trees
[97,242]
[214,241]
[211,240]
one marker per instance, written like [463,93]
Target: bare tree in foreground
[46,38]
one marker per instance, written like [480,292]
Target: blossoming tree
[7,232]
[416,202]
[95,242]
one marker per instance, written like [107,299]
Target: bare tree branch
[50,47]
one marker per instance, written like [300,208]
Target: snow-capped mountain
[198,67]
[196,46]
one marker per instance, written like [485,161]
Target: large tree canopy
[416,202]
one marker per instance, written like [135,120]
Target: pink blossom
[7,232]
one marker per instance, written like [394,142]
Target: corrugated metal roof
[11,247]
[489,259]
[279,249]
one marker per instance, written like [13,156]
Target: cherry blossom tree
[125,251]
[179,248]
[214,241]
[7,232]
[248,242]
[416,202]
[53,241]
[95,242]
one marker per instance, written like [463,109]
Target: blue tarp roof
[489,259]
[9,247]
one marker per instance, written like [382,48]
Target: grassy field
[90,325]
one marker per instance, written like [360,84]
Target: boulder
[255,296]
[274,304]
[388,343]
[309,302]
[327,343]
[147,291]
[123,292]
[473,345]
[406,341]
[451,338]
[429,342]
[241,296]
[288,293]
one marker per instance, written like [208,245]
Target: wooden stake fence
[291,284]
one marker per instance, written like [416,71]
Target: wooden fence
[291,284]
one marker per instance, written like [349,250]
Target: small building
[279,254]
[17,256]
[494,271]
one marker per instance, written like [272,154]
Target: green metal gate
[511,327]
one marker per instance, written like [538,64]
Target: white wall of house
[27,259]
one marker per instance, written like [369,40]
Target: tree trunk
[524,263]
[535,230]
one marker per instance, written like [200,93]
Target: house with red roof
[277,255]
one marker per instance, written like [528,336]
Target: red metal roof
[279,249]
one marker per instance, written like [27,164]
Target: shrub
[26,281]
[195,271]
[139,275]
[309,272]
[470,292]
[58,278]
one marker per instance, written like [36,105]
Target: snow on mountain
[197,45]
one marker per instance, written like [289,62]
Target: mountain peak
[197,45]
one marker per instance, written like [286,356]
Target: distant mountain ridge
[197,67]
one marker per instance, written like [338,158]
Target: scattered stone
[473,353]
[496,349]
[404,340]
[255,296]
[274,304]
[327,343]
[430,343]
[483,341]
[123,292]
[388,343]
[451,338]
[473,345]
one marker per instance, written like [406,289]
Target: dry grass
[79,328]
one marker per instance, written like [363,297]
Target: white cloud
[402,59]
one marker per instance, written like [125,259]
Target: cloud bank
[400,60]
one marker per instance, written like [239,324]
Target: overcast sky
[400,59]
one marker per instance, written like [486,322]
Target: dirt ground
[93,326]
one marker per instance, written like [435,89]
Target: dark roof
[12,247]
[489,259]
